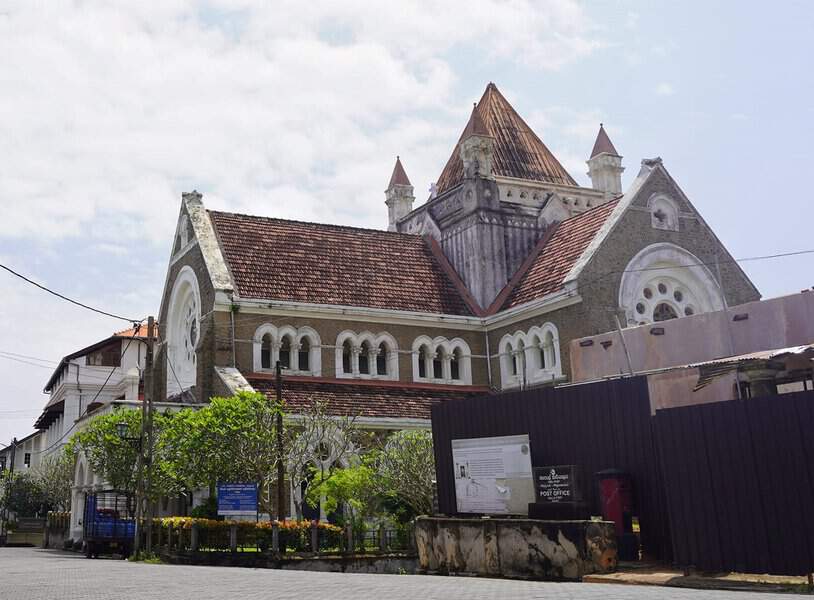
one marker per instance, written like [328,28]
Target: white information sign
[493,475]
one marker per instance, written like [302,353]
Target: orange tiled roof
[293,261]
[364,398]
[518,151]
[562,250]
[142,331]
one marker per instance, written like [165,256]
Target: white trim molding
[664,281]
[269,340]
[528,358]
[183,331]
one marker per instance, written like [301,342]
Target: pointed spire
[603,143]
[517,151]
[399,176]
[475,126]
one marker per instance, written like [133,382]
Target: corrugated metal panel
[740,485]
[597,427]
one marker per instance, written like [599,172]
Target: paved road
[33,574]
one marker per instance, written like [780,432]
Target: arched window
[665,281]
[423,361]
[364,358]
[437,365]
[455,364]
[285,353]
[347,366]
[381,359]
[304,355]
[548,352]
[663,212]
[265,351]
[183,331]
[529,358]
[664,312]
[440,360]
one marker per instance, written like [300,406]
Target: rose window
[190,330]
[662,299]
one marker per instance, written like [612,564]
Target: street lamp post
[121,432]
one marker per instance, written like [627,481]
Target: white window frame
[443,347]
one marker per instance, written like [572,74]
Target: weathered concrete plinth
[516,548]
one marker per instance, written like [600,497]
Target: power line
[71,300]
[37,358]
[99,391]
[85,375]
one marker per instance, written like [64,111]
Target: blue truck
[109,524]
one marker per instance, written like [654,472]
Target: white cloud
[291,109]
[664,89]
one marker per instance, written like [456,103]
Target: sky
[109,111]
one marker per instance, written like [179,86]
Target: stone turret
[605,166]
[477,148]
[399,196]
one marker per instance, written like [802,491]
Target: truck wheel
[88,550]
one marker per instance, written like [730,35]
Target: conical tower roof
[399,176]
[603,143]
[518,152]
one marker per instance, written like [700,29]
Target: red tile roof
[364,398]
[142,332]
[293,261]
[518,151]
[559,254]
[399,176]
[603,143]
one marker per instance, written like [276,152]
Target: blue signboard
[237,499]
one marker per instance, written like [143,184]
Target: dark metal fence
[598,426]
[727,486]
[739,477]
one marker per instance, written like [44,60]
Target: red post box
[616,500]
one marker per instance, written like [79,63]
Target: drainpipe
[232,328]
[624,345]
[488,360]
[79,388]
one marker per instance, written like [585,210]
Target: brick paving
[34,574]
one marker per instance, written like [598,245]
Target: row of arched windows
[530,357]
[441,360]
[298,350]
[365,355]
[361,355]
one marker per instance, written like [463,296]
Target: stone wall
[517,548]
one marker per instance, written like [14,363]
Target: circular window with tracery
[190,328]
[662,299]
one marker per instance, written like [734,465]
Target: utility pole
[280,458]
[145,444]
[4,522]
[148,401]
[13,454]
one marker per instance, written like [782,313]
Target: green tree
[317,444]
[352,488]
[115,459]
[405,470]
[23,496]
[229,439]
[54,475]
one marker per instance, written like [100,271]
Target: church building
[479,288]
